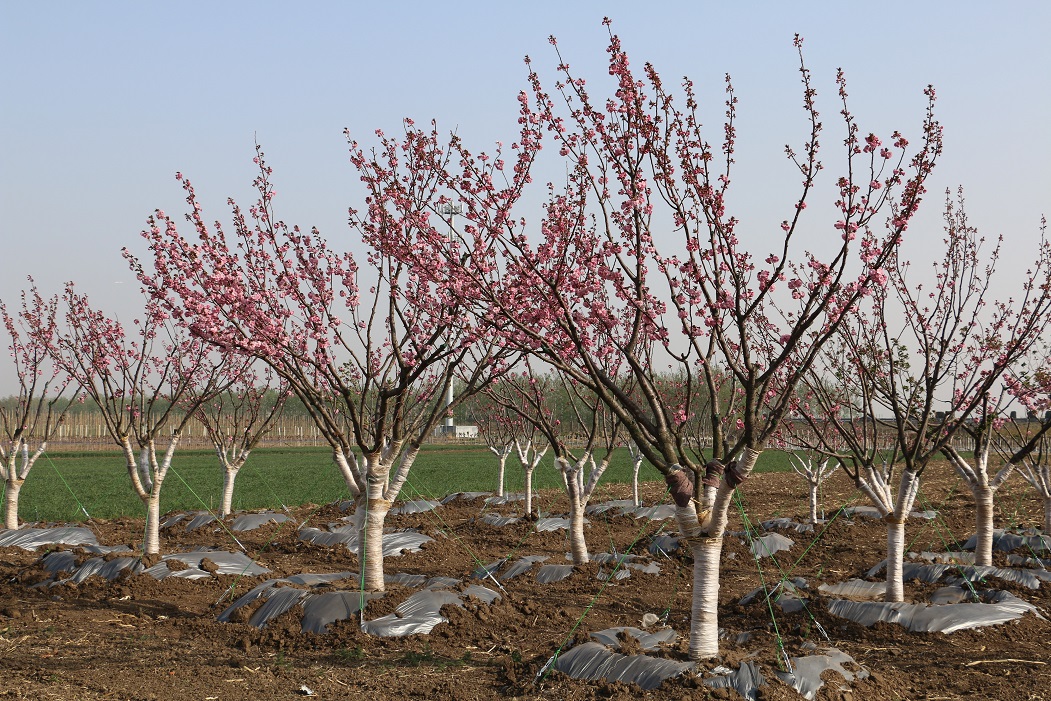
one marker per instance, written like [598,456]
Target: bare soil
[139,638]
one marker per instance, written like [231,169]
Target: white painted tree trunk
[501,452]
[529,459]
[984,490]
[345,469]
[17,462]
[895,559]
[983,549]
[381,488]
[875,484]
[13,489]
[528,492]
[152,544]
[704,623]
[229,477]
[636,463]
[370,540]
[578,545]
[815,475]
[500,475]
[579,493]
[704,534]
[370,523]
[908,487]
[152,473]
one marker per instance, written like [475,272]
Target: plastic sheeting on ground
[611,637]
[486,571]
[483,594]
[321,610]
[394,542]
[1032,562]
[947,558]
[951,595]
[745,681]
[622,565]
[873,512]
[415,507]
[856,589]
[549,574]
[595,661]
[505,499]
[250,522]
[520,566]
[405,579]
[278,601]
[500,521]
[33,538]
[622,506]
[200,520]
[661,512]
[241,522]
[787,524]
[769,544]
[222,563]
[552,523]
[554,573]
[197,520]
[65,561]
[440,582]
[417,614]
[466,496]
[805,676]
[999,607]
[616,575]
[785,594]
[663,545]
[969,573]
[1006,541]
[269,587]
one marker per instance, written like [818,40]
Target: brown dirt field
[138,638]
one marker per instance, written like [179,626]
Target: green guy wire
[939,524]
[259,471]
[252,559]
[748,529]
[546,669]
[212,513]
[53,467]
[436,517]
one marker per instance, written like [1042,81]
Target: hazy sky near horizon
[103,102]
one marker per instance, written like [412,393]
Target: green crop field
[70,486]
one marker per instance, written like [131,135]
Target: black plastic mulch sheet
[416,615]
[394,542]
[805,676]
[33,538]
[595,661]
[998,607]
[186,565]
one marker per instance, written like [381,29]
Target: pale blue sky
[103,102]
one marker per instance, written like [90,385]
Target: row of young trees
[147,382]
[638,293]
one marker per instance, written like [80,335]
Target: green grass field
[63,486]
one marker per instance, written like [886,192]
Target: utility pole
[450,210]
